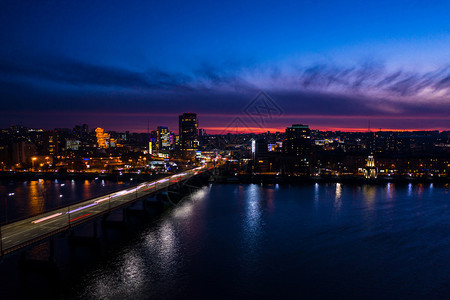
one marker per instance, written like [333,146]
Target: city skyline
[219,130]
[122,66]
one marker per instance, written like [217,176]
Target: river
[284,241]
[23,199]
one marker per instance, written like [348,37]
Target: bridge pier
[137,212]
[74,240]
[153,207]
[116,224]
[174,196]
[32,264]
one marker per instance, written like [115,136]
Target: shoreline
[273,179]
[240,179]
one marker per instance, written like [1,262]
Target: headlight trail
[46,218]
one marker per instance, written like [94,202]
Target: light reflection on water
[337,198]
[369,193]
[253,215]
[235,241]
[36,196]
[316,195]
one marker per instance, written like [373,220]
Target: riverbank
[268,178]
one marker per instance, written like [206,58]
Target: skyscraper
[298,140]
[188,126]
[163,139]
[297,149]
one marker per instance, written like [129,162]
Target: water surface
[26,198]
[276,241]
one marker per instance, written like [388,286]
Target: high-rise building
[163,139]
[261,155]
[297,148]
[188,126]
[298,140]
[153,143]
[50,142]
[81,131]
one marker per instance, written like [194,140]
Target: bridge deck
[24,232]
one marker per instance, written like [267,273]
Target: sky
[242,66]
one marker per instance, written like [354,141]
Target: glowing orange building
[102,138]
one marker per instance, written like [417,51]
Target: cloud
[367,79]
[369,90]
[81,74]
[370,80]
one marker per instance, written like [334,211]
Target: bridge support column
[138,212]
[84,240]
[32,264]
[116,224]
[124,215]
[51,257]
[153,207]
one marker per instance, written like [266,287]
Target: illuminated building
[72,144]
[50,142]
[102,138]
[150,147]
[370,171]
[163,139]
[188,130]
[272,147]
[112,143]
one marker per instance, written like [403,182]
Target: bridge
[25,232]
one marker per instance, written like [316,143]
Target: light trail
[119,194]
[46,218]
[178,175]
[101,200]
[80,208]
[79,217]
